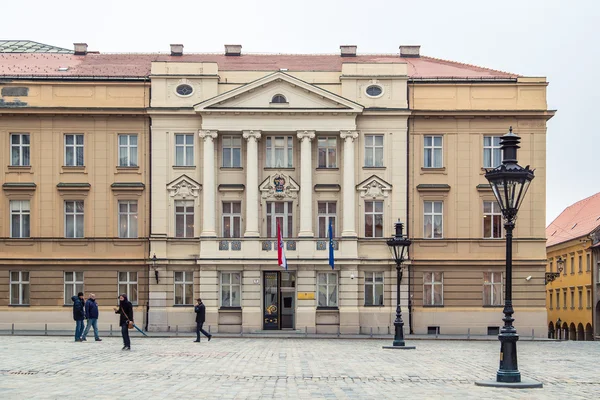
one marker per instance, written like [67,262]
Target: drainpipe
[408,190]
[149,182]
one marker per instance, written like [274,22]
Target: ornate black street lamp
[154,266]
[399,248]
[551,276]
[509,182]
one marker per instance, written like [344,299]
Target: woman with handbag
[125,319]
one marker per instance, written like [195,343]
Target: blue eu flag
[331,262]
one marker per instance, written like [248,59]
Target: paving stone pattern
[250,368]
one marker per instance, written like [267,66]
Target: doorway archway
[565,331]
[589,333]
[580,332]
[572,332]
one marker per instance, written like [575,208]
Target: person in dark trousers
[125,311]
[91,314]
[200,318]
[78,315]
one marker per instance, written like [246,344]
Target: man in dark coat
[200,310]
[78,315]
[125,312]
[91,313]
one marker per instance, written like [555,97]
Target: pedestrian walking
[91,314]
[125,311]
[200,310]
[78,315]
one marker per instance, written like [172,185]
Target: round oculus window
[184,90]
[374,91]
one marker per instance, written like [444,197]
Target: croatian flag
[282,261]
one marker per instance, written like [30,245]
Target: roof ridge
[469,65]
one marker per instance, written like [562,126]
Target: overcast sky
[556,39]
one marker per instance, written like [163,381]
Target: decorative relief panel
[184,188]
[374,188]
[279,187]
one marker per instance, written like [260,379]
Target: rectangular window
[589,298]
[74,150]
[580,299]
[128,150]
[572,299]
[373,150]
[128,284]
[326,211]
[433,216]
[279,213]
[572,264]
[232,219]
[492,156]
[73,285]
[19,288]
[280,152]
[20,150]
[373,288]
[433,288]
[128,219]
[184,288]
[74,219]
[492,288]
[557,300]
[373,219]
[565,299]
[327,152]
[184,150]
[551,301]
[231,289]
[327,290]
[432,148]
[184,219]
[587,262]
[580,264]
[492,220]
[232,151]
[20,217]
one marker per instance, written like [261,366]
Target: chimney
[80,49]
[176,49]
[233,49]
[348,50]
[410,51]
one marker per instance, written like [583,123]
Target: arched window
[279,98]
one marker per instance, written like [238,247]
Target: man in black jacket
[91,313]
[78,315]
[200,310]
[126,314]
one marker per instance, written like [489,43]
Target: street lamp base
[399,347]
[524,384]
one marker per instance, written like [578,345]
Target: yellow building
[570,288]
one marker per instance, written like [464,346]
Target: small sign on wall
[306,295]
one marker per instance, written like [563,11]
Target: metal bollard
[338,333]
[12,332]
[306,331]
[468,333]
[437,330]
[532,334]
[388,330]
[209,329]
[378,330]
[110,329]
[371,331]
[45,329]
[176,330]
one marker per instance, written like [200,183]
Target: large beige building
[241,145]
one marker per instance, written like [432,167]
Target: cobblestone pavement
[55,367]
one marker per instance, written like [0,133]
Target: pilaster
[208,184]
[349,186]
[252,210]
[306,187]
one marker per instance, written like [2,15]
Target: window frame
[185,146]
[232,146]
[434,284]
[328,148]
[128,284]
[231,216]
[20,282]
[493,149]
[433,214]
[372,148]
[129,148]
[551,299]
[21,213]
[373,214]
[184,283]
[231,286]
[287,229]
[21,147]
[74,284]
[131,218]
[75,146]
[491,282]
[288,151]
[326,286]
[580,263]
[494,214]
[74,214]
[373,285]
[431,149]
[187,214]
[327,216]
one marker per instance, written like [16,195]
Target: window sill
[19,305]
[375,168]
[280,169]
[431,170]
[433,306]
[328,309]
[498,306]
[232,309]
[184,167]
[128,170]
[19,167]
[374,305]
[328,169]
[183,305]
[231,168]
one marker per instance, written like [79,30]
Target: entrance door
[279,293]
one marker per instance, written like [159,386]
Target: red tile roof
[575,221]
[138,65]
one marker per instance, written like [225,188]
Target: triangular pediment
[184,188]
[374,188]
[297,95]
[279,186]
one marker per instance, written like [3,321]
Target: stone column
[306,189]
[349,184]
[208,184]
[252,209]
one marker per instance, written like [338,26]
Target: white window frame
[187,280]
[20,282]
[372,286]
[431,149]
[187,204]
[373,216]
[130,218]
[130,149]
[77,285]
[231,146]
[495,279]
[22,149]
[184,148]
[231,287]
[492,149]
[75,147]
[74,215]
[287,148]
[324,143]
[232,217]
[287,228]
[434,284]
[331,280]
[432,214]
[327,216]
[495,212]
[129,283]
[372,147]
[21,212]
